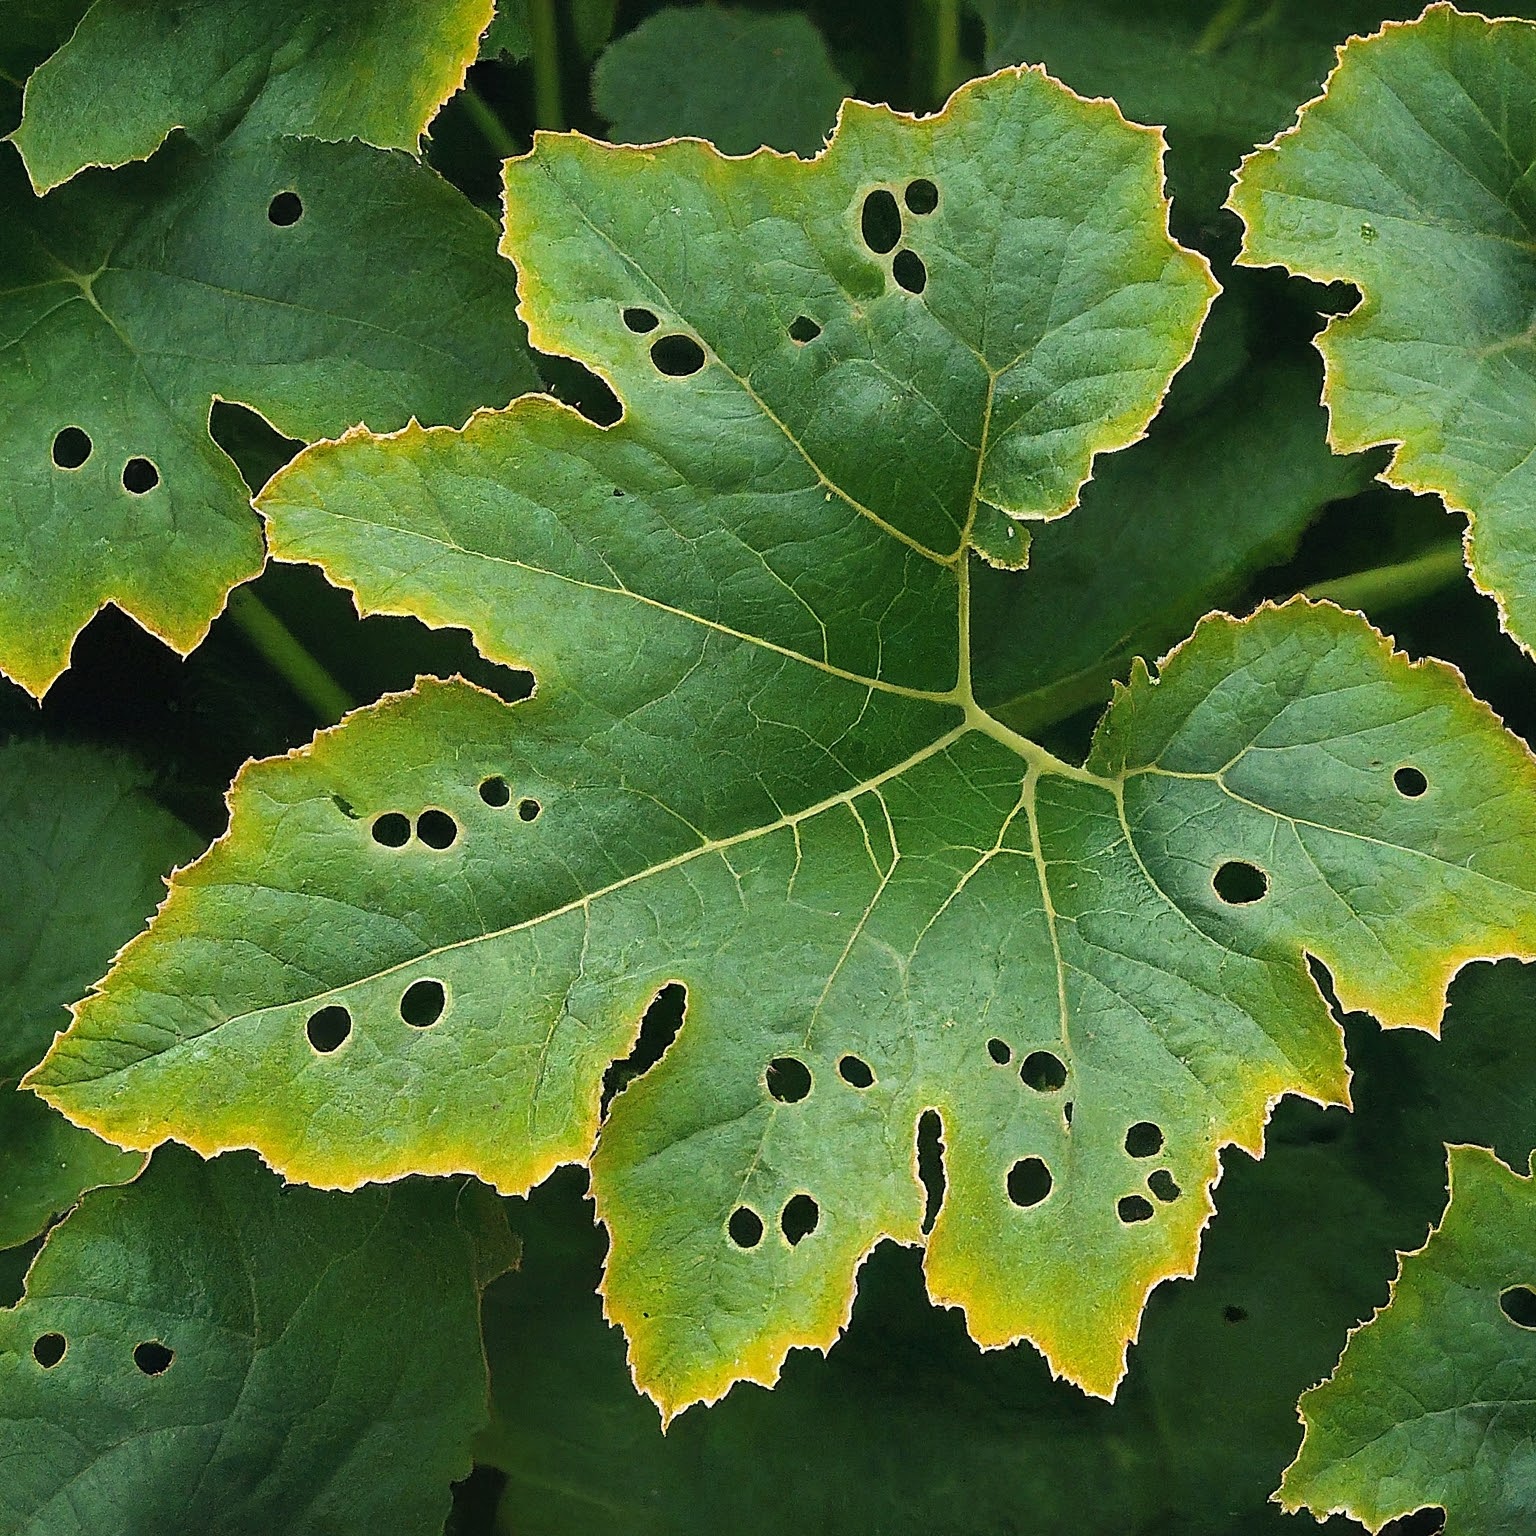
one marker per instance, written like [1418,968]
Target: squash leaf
[1410,178]
[754,765]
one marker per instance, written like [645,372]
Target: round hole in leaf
[788,1079]
[909,271]
[1162,1184]
[803,329]
[528,810]
[1000,1051]
[328,1027]
[71,448]
[437,829]
[1043,1071]
[1134,1208]
[855,1071]
[140,476]
[48,1349]
[921,196]
[640,321]
[1518,1304]
[1410,782]
[285,209]
[152,1357]
[798,1218]
[745,1227]
[1144,1139]
[422,1003]
[391,830]
[1234,1314]
[494,791]
[677,356]
[1029,1181]
[880,222]
[1240,883]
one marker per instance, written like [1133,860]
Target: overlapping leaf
[1432,1402]
[1410,178]
[206,1350]
[755,765]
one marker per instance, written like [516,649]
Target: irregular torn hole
[880,222]
[803,329]
[495,791]
[328,1027]
[1144,1139]
[1000,1051]
[798,1218]
[788,1079]
[152,1357]
[658,1029]
[1029,1181]
[140,476]
[745,1227]
[528,810]
[1163,1185]
[286,209]
[930,1165]
[1043,1071]
[1518,1304]
[578,387]
[640,320]
[677,356]
[49,1349]
[1240,883]
[1066,1114]
[391,830]
[71,448]
[1134,1208]
[921,196]
[1410,782]
[422,1003]
[909,271]
[855,1071]
[437,829]
[1429,1521]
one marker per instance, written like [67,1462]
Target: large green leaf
[1432,1402]
[207,1350]
[740,79]
[754,764]
[86,851]
[132,299]
[1410,178]
[134,70]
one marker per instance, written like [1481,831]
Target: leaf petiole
[281,650]
[483,115]
[1391,586]
[548,112]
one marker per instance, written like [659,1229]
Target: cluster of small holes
[435,828]
[1518,1304]
[1410,782]
[1029,1182]
[328,1027]
[152,1357]
[423,1002]
[880,227]
[1239,883]
[286,209]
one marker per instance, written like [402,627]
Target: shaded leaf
[740,79]
[134,70]
[1410,178]
[207,1350]
[1431,1403]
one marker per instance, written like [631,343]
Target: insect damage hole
[495,791]
[422,1003]
[1134,1208]
[1000,1051]
[1029,1182]
[1240,883]
[437,829]
[391,830]
[930,1165]
[528,810]
[745,1227]
[71,448]
[1410,782]
[1162,1184]
[921,196]
[285,210]
[788,1079]
[677,356]
[880,222]
[1144,1139]
[152,1357]
[803,329]
[1043,1071]
[909,271]
[855,1071]
[1518,1304]
[140,476]
[640,321]
[48,1349]
[328,1027]
[658,1029]
[798,1218]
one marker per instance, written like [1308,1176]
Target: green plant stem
[278,647]
[491,127]
[548,112]
[946,50]
[1391,586]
